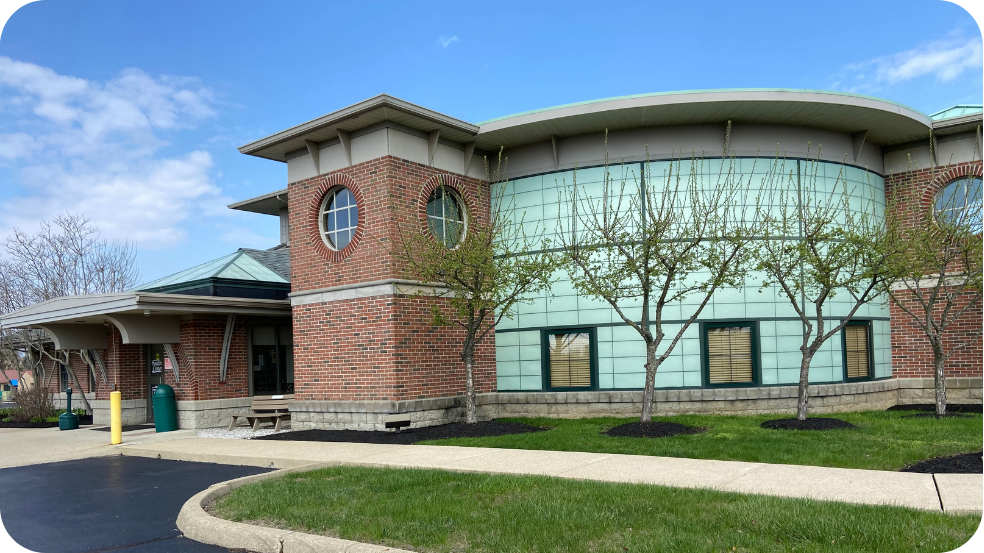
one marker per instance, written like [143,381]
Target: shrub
[33,403]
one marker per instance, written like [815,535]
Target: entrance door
[155,375]
[273,360]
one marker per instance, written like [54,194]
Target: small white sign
[276,397]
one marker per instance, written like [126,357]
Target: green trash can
[165,409]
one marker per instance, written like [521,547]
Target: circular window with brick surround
[443,210]
[337,217]
[959,203]
[446,216]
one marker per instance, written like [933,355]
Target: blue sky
[131,112]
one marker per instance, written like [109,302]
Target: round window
[445,216]
[959,203]
[339,218]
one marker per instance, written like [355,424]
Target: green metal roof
[704,91]
[235,266]
[958,110]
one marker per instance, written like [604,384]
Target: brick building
[330,316]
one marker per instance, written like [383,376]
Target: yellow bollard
[115,418]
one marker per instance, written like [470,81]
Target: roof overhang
[963,123]
[358,116]
[886,122]
[268,204]
[102,308]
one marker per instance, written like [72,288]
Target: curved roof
[885,122]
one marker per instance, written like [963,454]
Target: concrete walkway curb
[196,524]
[957,494]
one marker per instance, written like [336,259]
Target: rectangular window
[63,378]
[857,354]
[730,353]
[569,358]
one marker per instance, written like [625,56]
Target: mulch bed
[13,424]
[966,463]
[407,436]
[652,429]
[931,407]
[812,423]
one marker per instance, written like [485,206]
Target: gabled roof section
[359,116]
[958,110]
[238,265]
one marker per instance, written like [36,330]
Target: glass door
[273,360]
[155,375]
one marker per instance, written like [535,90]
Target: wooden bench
[265,408]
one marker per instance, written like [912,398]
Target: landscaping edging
[197,524]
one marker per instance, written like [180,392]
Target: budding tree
[642,241]
[478,266]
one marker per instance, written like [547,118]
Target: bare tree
[66,257]
[643,242]
[938,279]
[817,246]
[479,274]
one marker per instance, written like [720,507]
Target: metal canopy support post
[169,350]
[226,342]
[98,360]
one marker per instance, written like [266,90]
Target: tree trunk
[468,355]
[803,397]
[939,382]
[649,392]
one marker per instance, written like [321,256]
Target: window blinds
[856,348]
[570,360]
[729,354]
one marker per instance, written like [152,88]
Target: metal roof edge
[268,196]
[700,91]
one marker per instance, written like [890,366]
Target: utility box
[165,409]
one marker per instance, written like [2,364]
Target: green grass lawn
[431,510]
[883,441]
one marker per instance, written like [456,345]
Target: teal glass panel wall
[540,205]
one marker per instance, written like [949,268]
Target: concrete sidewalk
[32,446]
[953,493]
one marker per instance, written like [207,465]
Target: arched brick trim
[314,223]
[448,181]
[944,178]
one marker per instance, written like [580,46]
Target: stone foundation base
[824,398]
[212,413]
[132,411]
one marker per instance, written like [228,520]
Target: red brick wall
[381,348]
[911,353]
[199,355]
[384,347]
[383,184]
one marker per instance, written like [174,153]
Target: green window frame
[754,353]
[545,358]
[850,350]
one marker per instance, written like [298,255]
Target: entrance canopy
[79,322]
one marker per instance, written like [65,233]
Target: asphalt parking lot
[119,504]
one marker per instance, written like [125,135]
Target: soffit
[886,122]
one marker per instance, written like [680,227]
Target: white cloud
[242,237]
[943,59]
[89,147]
[446,41]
